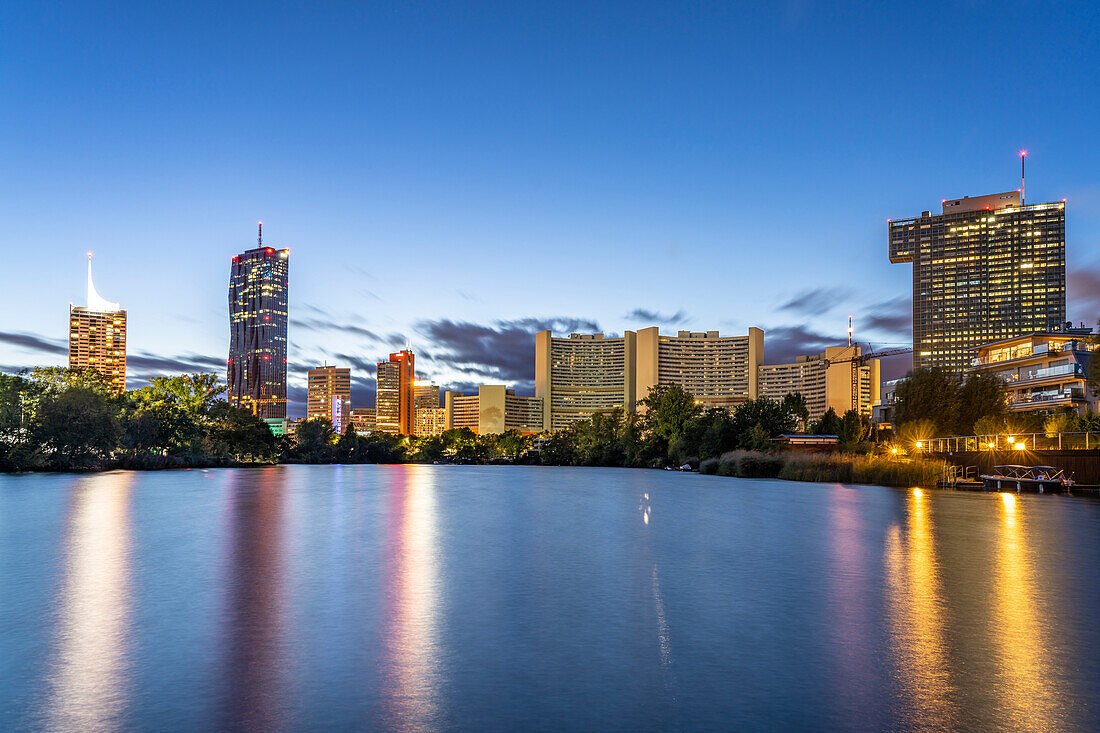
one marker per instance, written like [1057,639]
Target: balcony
[1045,373]
[1024,352]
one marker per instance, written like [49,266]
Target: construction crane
[861,360]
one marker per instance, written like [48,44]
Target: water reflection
[254,659]
[1025,687]
[88,683]
[411,688]
[850,600]
[916,619]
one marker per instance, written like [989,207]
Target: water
[428,597]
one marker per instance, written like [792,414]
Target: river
[484,597]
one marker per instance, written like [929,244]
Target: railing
[1044,373]
[1015,442]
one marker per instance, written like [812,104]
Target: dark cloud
[35,343]
[783,344]
[1083,294]
[358,364]
[893,317]
[320,324]
[816,301]
[648,316]
[149,364]
[502,352]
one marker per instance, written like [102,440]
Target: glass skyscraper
[987,268]
[256,371]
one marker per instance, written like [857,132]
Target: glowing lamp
[919,444]
[1021,446]
[893,450]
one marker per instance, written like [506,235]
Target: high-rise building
[256,370]
[328,395]
[364,419]
[97,337]
[825,380]
[429,421]
[583,374]
[987,268]
[719,371]
[425,395]
[493,410]
[396,410]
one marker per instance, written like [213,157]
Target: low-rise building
[364,419]
[1042,371]
[430,421]
[494,409]
[826,380]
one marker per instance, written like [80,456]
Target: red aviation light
[270,251]
[266,357]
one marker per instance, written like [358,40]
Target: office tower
[429,421]
[493,410]
[825,380]
[328,391]
[97,337]
[256,370]
[394,402]
[987,268]
[425,395]
[583,374]
[719,371]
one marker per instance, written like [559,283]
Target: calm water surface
[429,597]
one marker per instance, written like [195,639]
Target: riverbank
[827,467]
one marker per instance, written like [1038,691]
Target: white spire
[95,300]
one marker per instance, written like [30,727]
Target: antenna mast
[849,330]
[1023,157]
[260,235]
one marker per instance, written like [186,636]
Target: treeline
[66,419]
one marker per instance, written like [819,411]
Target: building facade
[1042,372]
[494,409]
[97,337]
[363,419]
[256,370]
[719,371]
[328,395]
[396,410]
[988,268]
[429,421]
[583,374]
[826,380]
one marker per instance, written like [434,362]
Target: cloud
[894,317]
[648,316]
[34,342]
[502,352]
[145,363]
[318,324]
[783,344]
[1083,294]
[816,301]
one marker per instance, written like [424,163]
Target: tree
[315,439]
[668,409]
[194,394]
[76,427]
[930,394]
[795,404]
[829,424]
[853,429]
[980,396]
[1092,369]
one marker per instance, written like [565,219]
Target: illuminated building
[1041,371]
[583,374]
[364,419]
[394,401]
[430,421]
[493,410]
[988,268]
[256,371]
[328,390]
[97,337]
[825,380]
[719,371]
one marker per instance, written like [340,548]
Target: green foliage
[829,424]
[668,408]
[951,405]
[75,427]
[854,428]
[795,404]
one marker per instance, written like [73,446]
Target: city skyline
[744,208]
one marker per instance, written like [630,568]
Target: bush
[831,468]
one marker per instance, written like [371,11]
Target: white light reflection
[88,680]
[412,635]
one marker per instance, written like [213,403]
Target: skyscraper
[256,370]
[97,337]
[987,268]
[396,410]
[328,395]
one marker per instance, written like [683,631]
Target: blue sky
[458,175]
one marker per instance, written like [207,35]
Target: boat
[1043,479]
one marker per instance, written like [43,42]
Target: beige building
[1041,371]
[425,395]
[97,337]
[719,371]
[429,421]
[328,395]
[825,380]
[583,374]
[494,409]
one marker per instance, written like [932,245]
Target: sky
[457,176]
